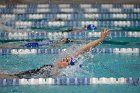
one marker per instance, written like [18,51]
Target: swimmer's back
[42,72]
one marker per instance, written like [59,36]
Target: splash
[5,28]
[77,69]
[68,52]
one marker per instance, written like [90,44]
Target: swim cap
[72,61]
[91,27]
[32,45]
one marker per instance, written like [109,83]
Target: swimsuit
[42,72]
[37,44]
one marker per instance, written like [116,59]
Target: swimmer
[76,29]
[89,27]
[52,70]
[9,46]
[34,44]
[5,28]
[66,41]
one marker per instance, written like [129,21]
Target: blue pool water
[98,65]
[71,89]
[101,65]
[93,65]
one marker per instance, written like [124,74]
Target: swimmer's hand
[104,33]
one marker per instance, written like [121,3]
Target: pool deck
[70,1]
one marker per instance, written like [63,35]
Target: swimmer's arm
[92,44]
[7,75]
[9,46]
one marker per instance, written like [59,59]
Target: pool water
[100,65]
[93,65]
[96,65]
[71,89]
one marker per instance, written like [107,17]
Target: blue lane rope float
[112,16]
[100,8]
[31,6]
[56,51]
[70,81]
[74,24]
[55,35]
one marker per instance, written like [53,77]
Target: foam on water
[67,52]
[5,28]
